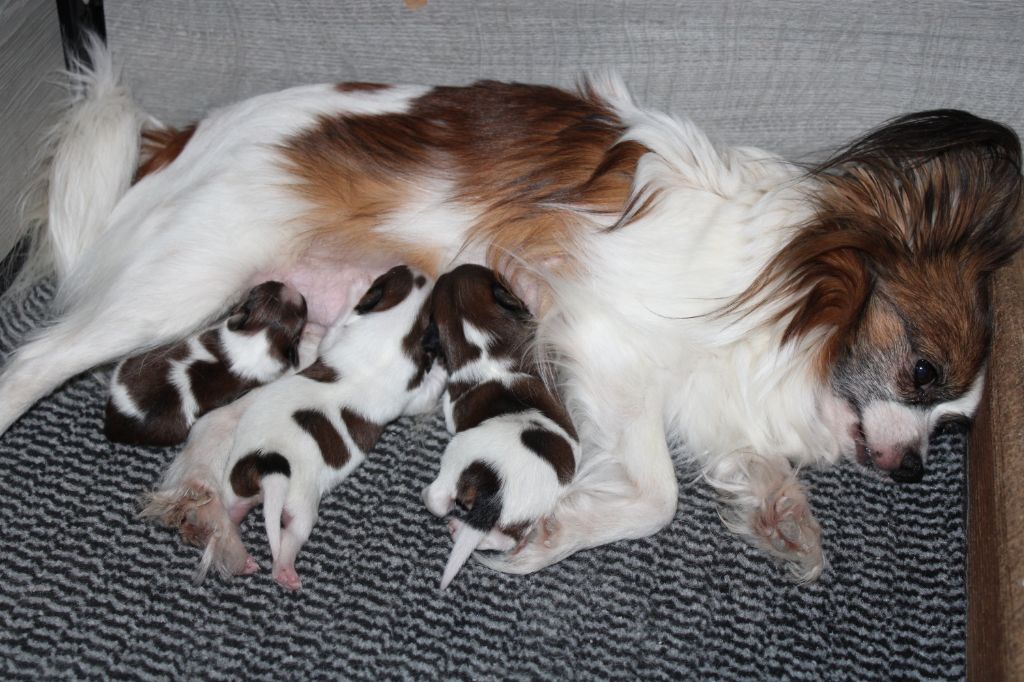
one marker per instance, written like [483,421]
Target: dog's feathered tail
[86,164]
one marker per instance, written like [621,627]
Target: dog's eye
[924,373]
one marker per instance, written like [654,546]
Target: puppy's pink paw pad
[250,566]
[287,578]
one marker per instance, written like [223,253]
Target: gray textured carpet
[89,591]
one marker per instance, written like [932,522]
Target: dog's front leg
[765,503]
[625,488]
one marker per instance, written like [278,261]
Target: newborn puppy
[155,397]
[302,435]
[515,448]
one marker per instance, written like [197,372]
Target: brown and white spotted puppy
[156,396]
[302,435]
[515,448]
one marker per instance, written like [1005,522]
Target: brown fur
[332,446]
[161,147]
[322,372]
[364,432]
[358,86]
[515,153]
[920,212]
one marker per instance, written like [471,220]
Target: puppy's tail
[86,165]
[467,539]
[275,493]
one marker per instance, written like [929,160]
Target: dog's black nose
[911,469]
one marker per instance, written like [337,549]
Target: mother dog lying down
[768,316]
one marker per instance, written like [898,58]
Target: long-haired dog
[769,316]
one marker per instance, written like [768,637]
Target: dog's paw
[785,526]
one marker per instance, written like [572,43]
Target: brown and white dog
[289,443]
[768,315]
[514,449]
[303,435]
[156,396]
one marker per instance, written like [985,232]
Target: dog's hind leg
[145,306]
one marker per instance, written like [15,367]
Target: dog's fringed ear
[940,185]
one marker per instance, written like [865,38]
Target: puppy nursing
[156,396]
[514,448]
[301,436]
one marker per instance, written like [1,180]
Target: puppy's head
[894,272]
[386,335]
[276,310]
[477,315]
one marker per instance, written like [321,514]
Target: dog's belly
[331,287]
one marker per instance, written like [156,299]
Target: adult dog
[768,315]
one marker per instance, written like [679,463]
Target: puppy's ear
[509,301]
[370,299]
[432,340]
[291,354]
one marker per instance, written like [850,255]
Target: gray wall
[30,55]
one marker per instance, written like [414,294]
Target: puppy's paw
[785,526]
[287,578]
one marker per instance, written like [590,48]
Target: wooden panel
[995,619]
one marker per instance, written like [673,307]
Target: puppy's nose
[911,469]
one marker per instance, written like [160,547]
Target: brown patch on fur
[268,307]
[160,148]
[317,425]
[524,158]
[414,345]
[387,291]
[920,211]
[475,294]
[479,491]
[359,86]
[213,383]
[249,471]
[147,380]
[494,399]
[364,432]
[321,371]
[553,449]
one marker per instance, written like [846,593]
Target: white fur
[366,351]
[530,489]
[640,356]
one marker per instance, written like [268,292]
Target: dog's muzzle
[911,469]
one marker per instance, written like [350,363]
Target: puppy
[767,316]
[515,448]
[156,396]
[188,498]
[301,436]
